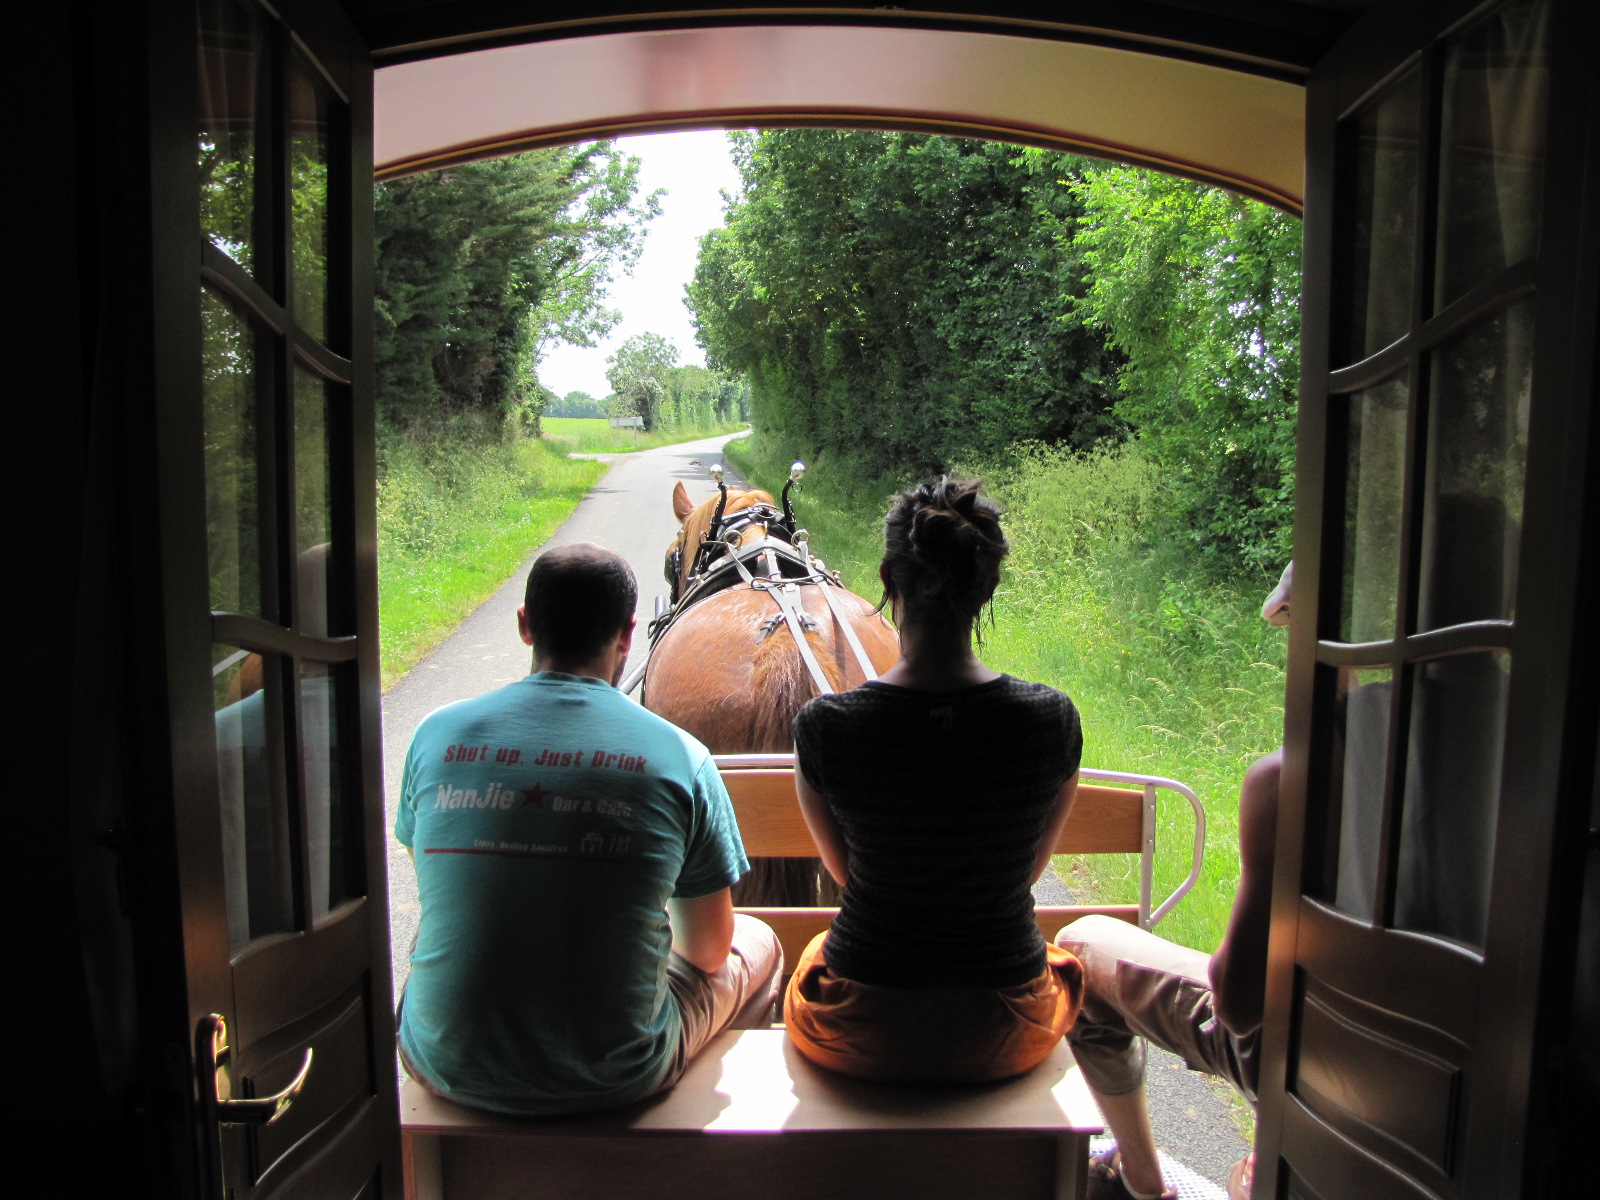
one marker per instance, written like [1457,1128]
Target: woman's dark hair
[942,547]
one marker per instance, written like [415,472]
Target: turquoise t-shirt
[550,821]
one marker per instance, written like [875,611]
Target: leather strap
[856,648]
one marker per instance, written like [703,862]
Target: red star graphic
[534,796]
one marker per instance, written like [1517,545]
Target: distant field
[594,435]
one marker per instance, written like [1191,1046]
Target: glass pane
[1360,768]
[1496,87]
[1383,216]
[232,46]
[325,814]
[1374,484]
[1472,515]
[313,512]
[1458,708]
[233,497]
[309,154]
[255,825]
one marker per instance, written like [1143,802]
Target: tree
[638,374]
[576,404]
[481,265]
[897,296]
[1200,290]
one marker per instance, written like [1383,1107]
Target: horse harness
[783,565]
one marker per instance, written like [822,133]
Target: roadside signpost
[634,423]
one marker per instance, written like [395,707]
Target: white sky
[694,168]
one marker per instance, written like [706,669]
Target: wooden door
[1419,909]
[267,517]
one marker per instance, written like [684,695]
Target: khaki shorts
[1138,985]
[742,994]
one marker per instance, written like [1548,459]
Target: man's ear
[522,625]
[625,638]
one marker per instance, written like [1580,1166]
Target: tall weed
[1172,676]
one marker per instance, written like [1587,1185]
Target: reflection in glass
[1360,769]
[233,498]
[232,41]
[1478,434]
[320,763]
[1458,707]
[1383,219]
[1374,485]
[309,155]
[1496,85]
[255,825]
[313,504]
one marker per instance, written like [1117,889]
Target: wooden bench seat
[751,1113]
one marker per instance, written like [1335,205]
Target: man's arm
[1239,967]
[702,928]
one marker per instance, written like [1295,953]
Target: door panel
[283,438]
[1419,798]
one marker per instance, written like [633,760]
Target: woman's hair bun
[942,549]
[934,530]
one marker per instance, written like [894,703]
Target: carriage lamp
[797,472]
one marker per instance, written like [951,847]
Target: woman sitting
[935,795]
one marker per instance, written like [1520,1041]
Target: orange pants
[929,1035]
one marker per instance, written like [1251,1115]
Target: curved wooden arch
[1217,124]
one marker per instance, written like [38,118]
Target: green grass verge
[594,435]
[456,516]
[1172,678]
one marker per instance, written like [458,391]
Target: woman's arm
[825,831]
[1054,826]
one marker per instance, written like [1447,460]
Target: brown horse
[727,667]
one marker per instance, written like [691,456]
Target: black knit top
[942,798]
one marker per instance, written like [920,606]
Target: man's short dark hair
[578,599]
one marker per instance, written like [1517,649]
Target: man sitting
[1206,1009]
[578,944]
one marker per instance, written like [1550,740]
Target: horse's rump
[730,673]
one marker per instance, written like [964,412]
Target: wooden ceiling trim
[1233,128]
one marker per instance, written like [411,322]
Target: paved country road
[630,511]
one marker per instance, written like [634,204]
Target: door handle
[216,1078]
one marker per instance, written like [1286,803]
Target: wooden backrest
[1105,820]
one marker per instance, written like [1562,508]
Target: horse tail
[780,685]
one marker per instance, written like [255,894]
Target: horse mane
[698,523]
